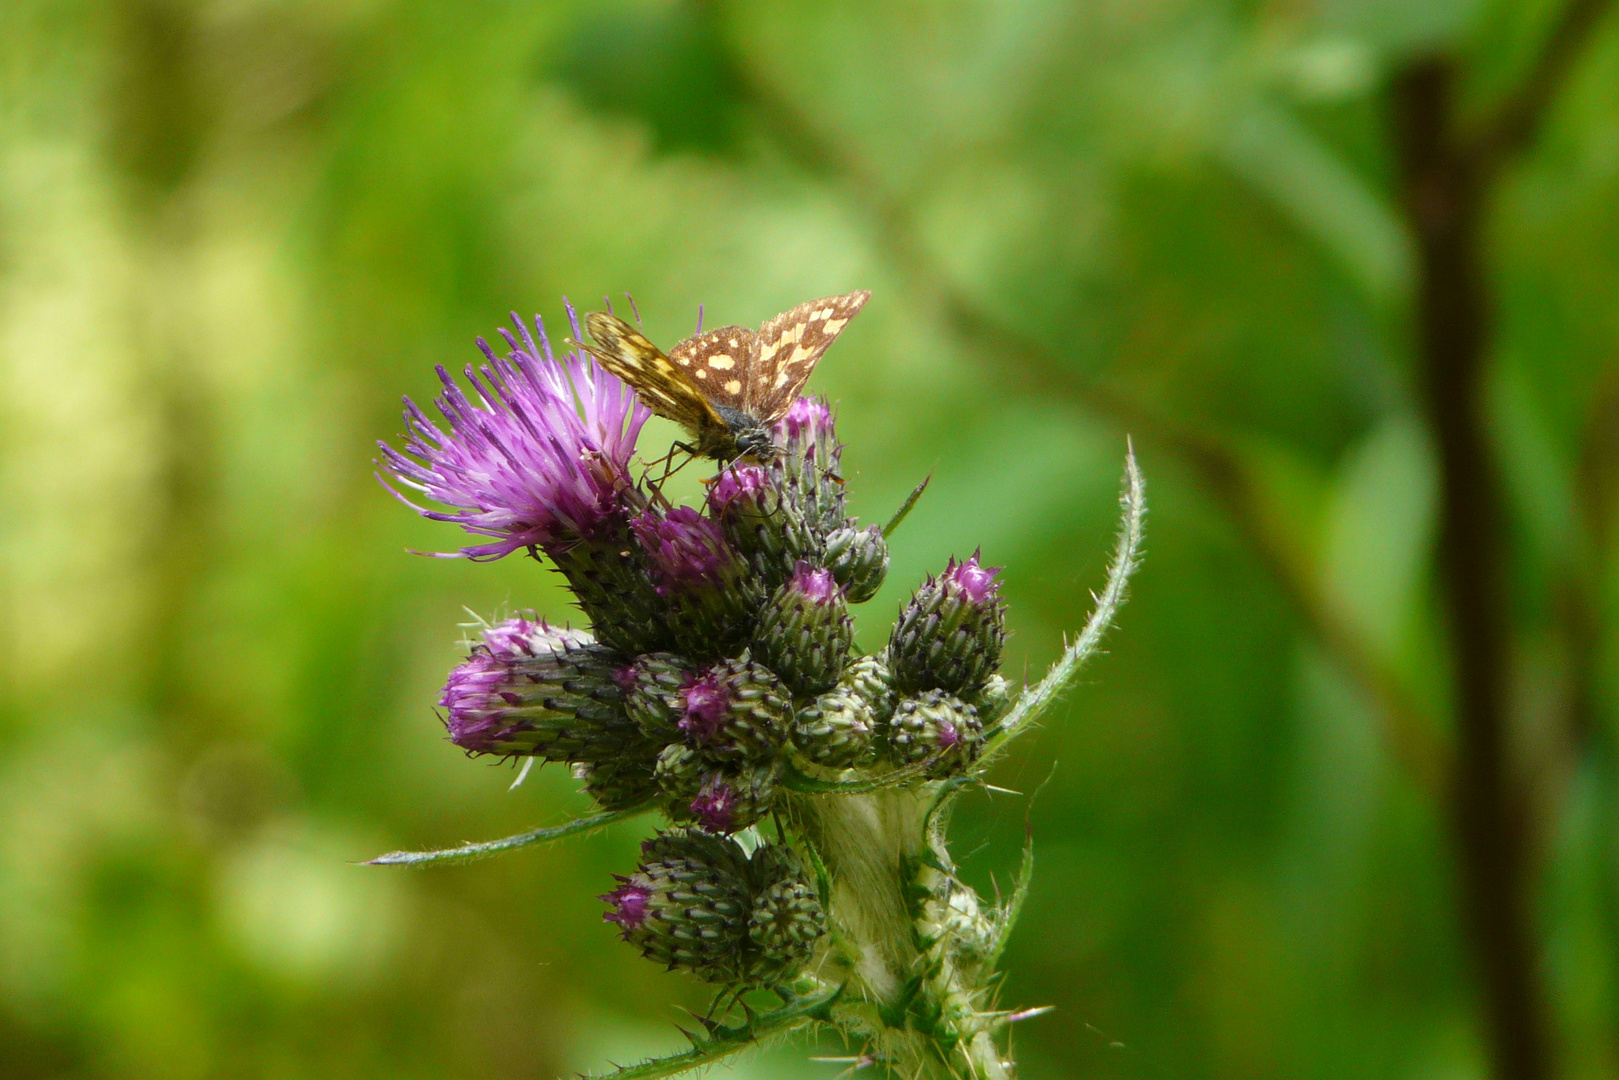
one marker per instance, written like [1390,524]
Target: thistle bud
[531,689]
[787,920]
[858,558]
[835,730]
[679,775]
[710,596]
[616,765]
[993,699]
[765,529]
[868,678]
[652,686]
[949,636]
[608,579]
[807,471]
[730,800]
[688,906]
[735,710]
[805,632]
[934,724]
[618,783]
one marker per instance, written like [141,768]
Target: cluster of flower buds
[719,664]
[699,903]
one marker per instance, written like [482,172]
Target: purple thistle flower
[629,902]
[684,547]
[538,456]
[976,582]
[708,704]
[814,584]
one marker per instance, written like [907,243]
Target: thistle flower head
[740,482]
[684,548]
[949,637]
[538,454]
[806,426]
[976,582]
[528,688]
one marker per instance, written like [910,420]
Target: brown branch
[1038,370]
[1518,120]
[1443,193]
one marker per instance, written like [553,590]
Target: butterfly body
[726,387]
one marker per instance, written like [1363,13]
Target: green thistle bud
[993,699]
[735,710]
[688,906]
[616,764]
[807,470]
[765,529]
[679,774]
[710,596]
[869,678]
[858,558]
[652,688]
[949,636]
[805,632]
[787,920]
[836,729]
[609,580]
[934,724]
[730,800]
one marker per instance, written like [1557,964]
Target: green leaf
[721,1042]
[903,511]
[1126,555]
[467,852]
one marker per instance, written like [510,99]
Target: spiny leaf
[722,1042]
[903,511]
[1008,916]
[1126,555]
[494,847]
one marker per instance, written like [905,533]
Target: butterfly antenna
[633,309]
[607,302]
[699,318]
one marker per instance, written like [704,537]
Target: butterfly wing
[786,350]
[666,388]
[718,363]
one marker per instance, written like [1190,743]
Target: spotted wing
[787,348]
[718,362]
[666,389]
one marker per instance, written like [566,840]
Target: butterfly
[726,387]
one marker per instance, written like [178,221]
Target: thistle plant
[805,870]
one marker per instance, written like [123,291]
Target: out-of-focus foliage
[233,232]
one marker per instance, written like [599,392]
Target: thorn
[522,774]
[1030,1014]
[1001,790]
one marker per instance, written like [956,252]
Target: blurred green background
[233,232]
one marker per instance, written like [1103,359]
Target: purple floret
[814,584]
[977,582]
[629,902]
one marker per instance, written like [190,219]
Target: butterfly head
[746,437]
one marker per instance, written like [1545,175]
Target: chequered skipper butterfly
[728,386]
